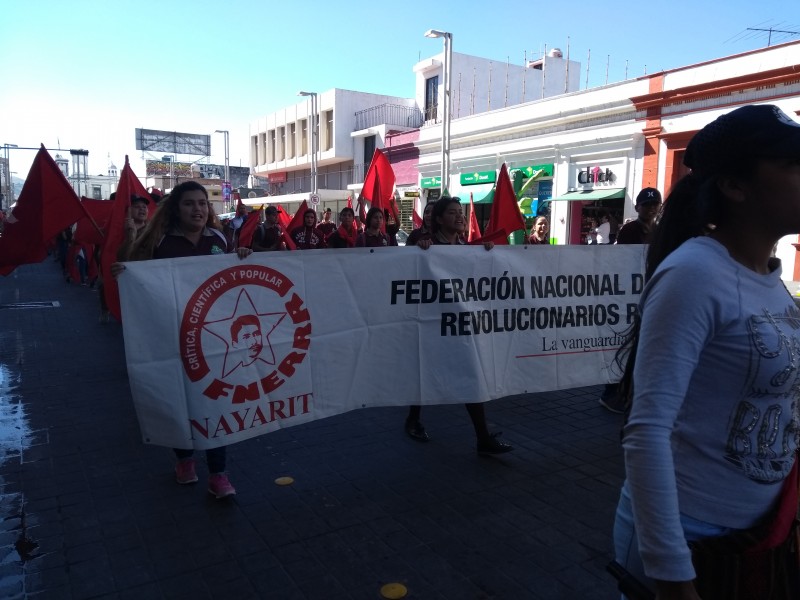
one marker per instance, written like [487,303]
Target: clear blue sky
[86,73]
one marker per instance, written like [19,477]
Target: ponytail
[694,206]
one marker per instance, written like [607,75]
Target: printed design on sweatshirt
[762,437]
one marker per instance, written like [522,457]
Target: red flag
[474,229]
[416,216]
[297,221]
[379,181]
[129,185]
[283,218]
[498,237]
[46,206]
[505,212]
[98,211]
[249,227]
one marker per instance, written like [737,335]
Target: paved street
[89,511]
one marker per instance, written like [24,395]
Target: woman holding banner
[345,236]
[184,224]
[448,225]
[423,231]
[709,504]
[372,236]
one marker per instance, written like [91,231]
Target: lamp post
[7,188]
[227,183]
[314,137]
[447,100]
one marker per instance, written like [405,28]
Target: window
[290,142]
[369,150]
[328,130]
[281,144]
[431,98]
[97,192]
[303,137]
[271,146]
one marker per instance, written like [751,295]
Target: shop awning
[591,195]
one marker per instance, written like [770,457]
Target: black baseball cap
[138,198]
[271,210]
[747,133]
[648,195]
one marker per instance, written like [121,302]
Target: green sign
[530,170]
[479,177]
[431,182]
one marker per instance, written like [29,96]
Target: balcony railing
[388,114]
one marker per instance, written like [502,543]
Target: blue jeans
[626,545]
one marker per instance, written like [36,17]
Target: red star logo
[245,334]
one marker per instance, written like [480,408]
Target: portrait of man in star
[245,334]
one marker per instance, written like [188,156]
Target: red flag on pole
[379,181]
[98,211]
[297,221]
[283,218]
[249,227]
[416,216]
[505,212]
[474,229]
[47,205]
[128,186]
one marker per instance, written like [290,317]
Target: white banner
[220,349]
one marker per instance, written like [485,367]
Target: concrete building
[352,125]
[98,187]
[600,146]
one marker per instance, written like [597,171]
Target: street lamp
[447,76]
[7,188]
[227,183]
[314,137]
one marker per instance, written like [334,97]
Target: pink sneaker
[184,471]
[219,486]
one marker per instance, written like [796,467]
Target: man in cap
[327,227]
[268,236]
[134,224]
[648,202]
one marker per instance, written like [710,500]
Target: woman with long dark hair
[447,228]
[713,368]
[372,236]
[424,230]
[184,224]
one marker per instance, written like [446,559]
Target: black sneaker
[416,431]
[492,445]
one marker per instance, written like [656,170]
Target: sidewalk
[368,506]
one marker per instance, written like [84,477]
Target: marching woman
[447,228]
[424,230]
[372,236]
[540,229]
[713,374]
[345,236]
[184,224]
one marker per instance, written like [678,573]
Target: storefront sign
[431,182]
[595,175]
[530,170]
[277,177]
[479,177]
[545,190]
[414,194]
